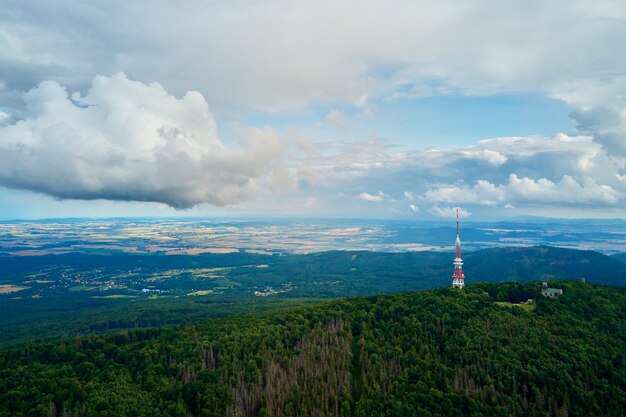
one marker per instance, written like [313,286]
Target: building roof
[552,291]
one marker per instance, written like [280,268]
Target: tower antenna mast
[458,278]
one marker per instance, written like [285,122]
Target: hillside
[621,257]
[543,263]
[439,352]
[75,294]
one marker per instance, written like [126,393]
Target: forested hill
[77,294]
[545,262]
[440,352]
[621,257]
[361,273]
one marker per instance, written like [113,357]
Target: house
[550,292]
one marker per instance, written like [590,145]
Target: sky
[353,109]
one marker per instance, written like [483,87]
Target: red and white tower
[458,278]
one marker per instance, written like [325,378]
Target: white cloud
[525,190]
[3,117]
[567,190]
[448,212]
[414,208]
[376,198]
[337,162]
[557,171]
[336,118]
[490,156]
[125,140]
[272,55]
[526,147]
[606,123]
[562,153]
[482,193]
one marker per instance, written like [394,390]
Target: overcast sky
[393,109]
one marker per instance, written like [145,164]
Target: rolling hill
[56,306]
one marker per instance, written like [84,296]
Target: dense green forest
[480,351]
[108,297]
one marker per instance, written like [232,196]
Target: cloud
[567,190]
[3,117]
[559,171]
[124,140]
[482,193]
[272,55]
[490,156]
[607,125]
[339,162]
[376,198]
[525,190]
[549,156]
[414,208]
[448,212]
[336,118]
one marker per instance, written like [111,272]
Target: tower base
[458,283]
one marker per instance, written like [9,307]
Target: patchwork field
[9,288]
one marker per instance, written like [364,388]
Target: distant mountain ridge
[282,281]
[494,264]
[621,257]
[546,262]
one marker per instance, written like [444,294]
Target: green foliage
[302,278]
[442,352]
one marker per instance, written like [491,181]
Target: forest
[482,351]
[109,297]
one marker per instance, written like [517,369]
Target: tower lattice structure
[458,277]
